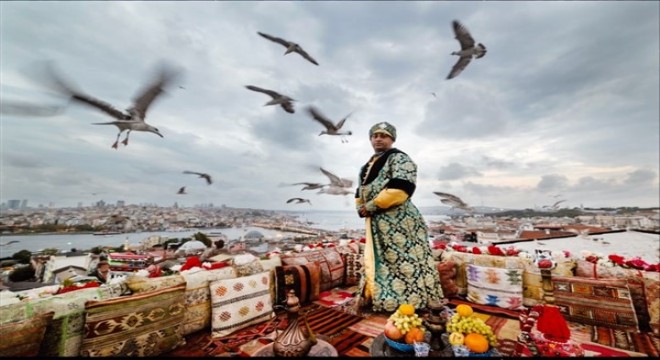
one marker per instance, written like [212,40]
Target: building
[13,204]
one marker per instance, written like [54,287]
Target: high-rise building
[120,203]
[24,204]
[13,204]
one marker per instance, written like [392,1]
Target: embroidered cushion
[64,332]
[198,296]
[495,286]
[23,338]
[533,281]
[140,284]
[332,266]
[271,263]
[604,303]
[303,279]
[637,284]
[144,324]
[652,293]
[240,302]
[251,268]
[448,272]
[462,259]
[354,264]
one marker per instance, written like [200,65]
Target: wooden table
[321,349]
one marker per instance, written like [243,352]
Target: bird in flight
[336,181]
[204,176]
[310,186]
[133,118]
[298,201]
[290,47]
[182,191]
[330,127]
[453,201]
[283,100]
[334,190]
[468,49]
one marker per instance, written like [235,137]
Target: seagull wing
[275,39]
[316,115]
[462,35]
[447,195]
[192,172]
[294,199]
[150,92]
[288,107]
[342,121]
[62,86]
[304,54]
[272,93]
[335,181]
[460,65]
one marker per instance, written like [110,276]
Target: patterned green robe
[405,271]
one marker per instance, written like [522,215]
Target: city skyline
[550,113]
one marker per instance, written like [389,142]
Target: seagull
[468,50]
[290,47]
[331,128]
[299,201]
[453,201]
[310,186]
[207,177]
[182,191]
[336,181]
[448,196]
[335,190]
[556,205]
[133,117]
[282,100]
[434,94]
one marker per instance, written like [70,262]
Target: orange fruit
[477,343]
[414,335]
[406,309]
[464,310]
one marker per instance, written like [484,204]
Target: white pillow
[240,302]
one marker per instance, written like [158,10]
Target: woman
[398,262]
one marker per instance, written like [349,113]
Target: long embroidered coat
[399,266]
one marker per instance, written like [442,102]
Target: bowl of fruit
[469,335]
[403,329]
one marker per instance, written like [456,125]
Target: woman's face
[381,142]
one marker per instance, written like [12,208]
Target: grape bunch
[405,322]
[471,324]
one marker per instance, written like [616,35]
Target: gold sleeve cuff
[358,201]
[390,197]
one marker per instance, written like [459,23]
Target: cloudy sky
[564,106]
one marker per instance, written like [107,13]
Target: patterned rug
[328,324]
[627,341]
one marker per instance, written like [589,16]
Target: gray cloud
[566,97]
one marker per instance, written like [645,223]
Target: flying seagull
[453,201]
[468,49]
[336,181]
[283,100]
[290,47]
[182,191]
[133,117]
[310,186]
[331,128]
[207,177]
[335,190]
[298,201]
